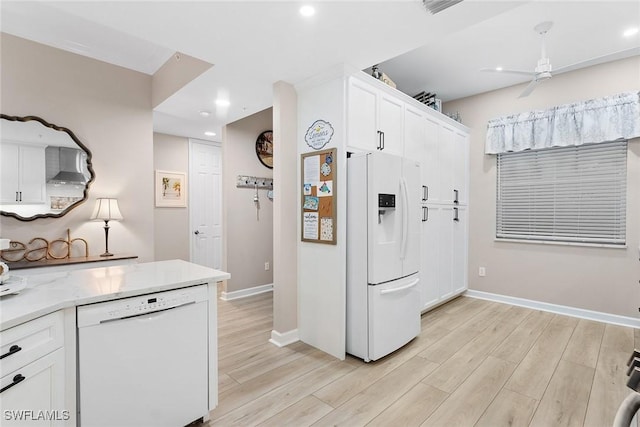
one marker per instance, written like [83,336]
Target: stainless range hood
[71,162]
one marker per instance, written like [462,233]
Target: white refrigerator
[383,253]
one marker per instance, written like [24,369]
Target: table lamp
[106,210]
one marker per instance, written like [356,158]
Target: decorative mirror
[45,171]
[264,148]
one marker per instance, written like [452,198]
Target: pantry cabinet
[23,174]
[442,148]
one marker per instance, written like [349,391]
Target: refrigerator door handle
[405,218]
[400,289]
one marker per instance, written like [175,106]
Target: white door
[430,256]
[431,161]
[410,252]
[205,203]
[459,250]
[390,123]
[384,223]
[447,155]
[39,386]
[394,315]
[362,116]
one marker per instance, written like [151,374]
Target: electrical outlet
[482,272]
[266,266]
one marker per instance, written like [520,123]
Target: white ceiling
[254,44]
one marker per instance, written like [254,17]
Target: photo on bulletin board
[318,195]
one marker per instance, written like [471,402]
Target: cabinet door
[390,123]
[430,257]
[415,138]
[42,389]
[32,174]
[10,173]
[447,153]
[362,113]
[431,161]
[445,243]
[461,167]
[459,252]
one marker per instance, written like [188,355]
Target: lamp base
[106,254]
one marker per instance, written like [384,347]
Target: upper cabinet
[375,119]
[23,174]
[381,118]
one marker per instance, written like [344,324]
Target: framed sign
[319,184]
[171,189]
[264,148]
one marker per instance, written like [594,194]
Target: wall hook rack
[245,181]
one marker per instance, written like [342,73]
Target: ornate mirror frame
[85,193]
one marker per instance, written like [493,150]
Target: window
[566,194]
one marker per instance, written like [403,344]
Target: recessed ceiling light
[205,113]
[222,103]
[209,133]
[307,10]
[498,68]
[630,32]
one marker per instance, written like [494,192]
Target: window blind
[566,194]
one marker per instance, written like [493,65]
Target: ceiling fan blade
[529,88]
[522,72]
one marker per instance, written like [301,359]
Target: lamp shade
[106,210]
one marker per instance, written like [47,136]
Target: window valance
[596,120]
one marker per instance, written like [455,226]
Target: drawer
[29,341]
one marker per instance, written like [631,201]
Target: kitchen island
[39,330]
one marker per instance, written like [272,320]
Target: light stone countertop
[49,292]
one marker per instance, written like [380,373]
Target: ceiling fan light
[499,68]
[630,32]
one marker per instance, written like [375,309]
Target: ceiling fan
[543,70]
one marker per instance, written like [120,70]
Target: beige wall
[285,261]
[599,279]
[171,225]
[248,241]
[109,110]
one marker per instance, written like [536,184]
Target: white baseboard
[558,309]
[285,338]
[244,293]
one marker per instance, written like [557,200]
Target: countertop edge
[68,302]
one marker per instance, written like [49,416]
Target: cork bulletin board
[319,196]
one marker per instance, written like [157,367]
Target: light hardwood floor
[475,363]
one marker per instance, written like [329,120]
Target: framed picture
[264,148]
[171,189]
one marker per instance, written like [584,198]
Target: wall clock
[264,148]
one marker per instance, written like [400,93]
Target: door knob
[196,232]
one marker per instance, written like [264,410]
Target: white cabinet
[375,119]
[459,252]
[32,373]
[443,153]
[443,268]
[23,173]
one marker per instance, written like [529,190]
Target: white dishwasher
[143,361]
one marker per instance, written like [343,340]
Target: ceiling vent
[435,6]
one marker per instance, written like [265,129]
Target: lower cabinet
[34,385]
[35,393]
[443,267]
